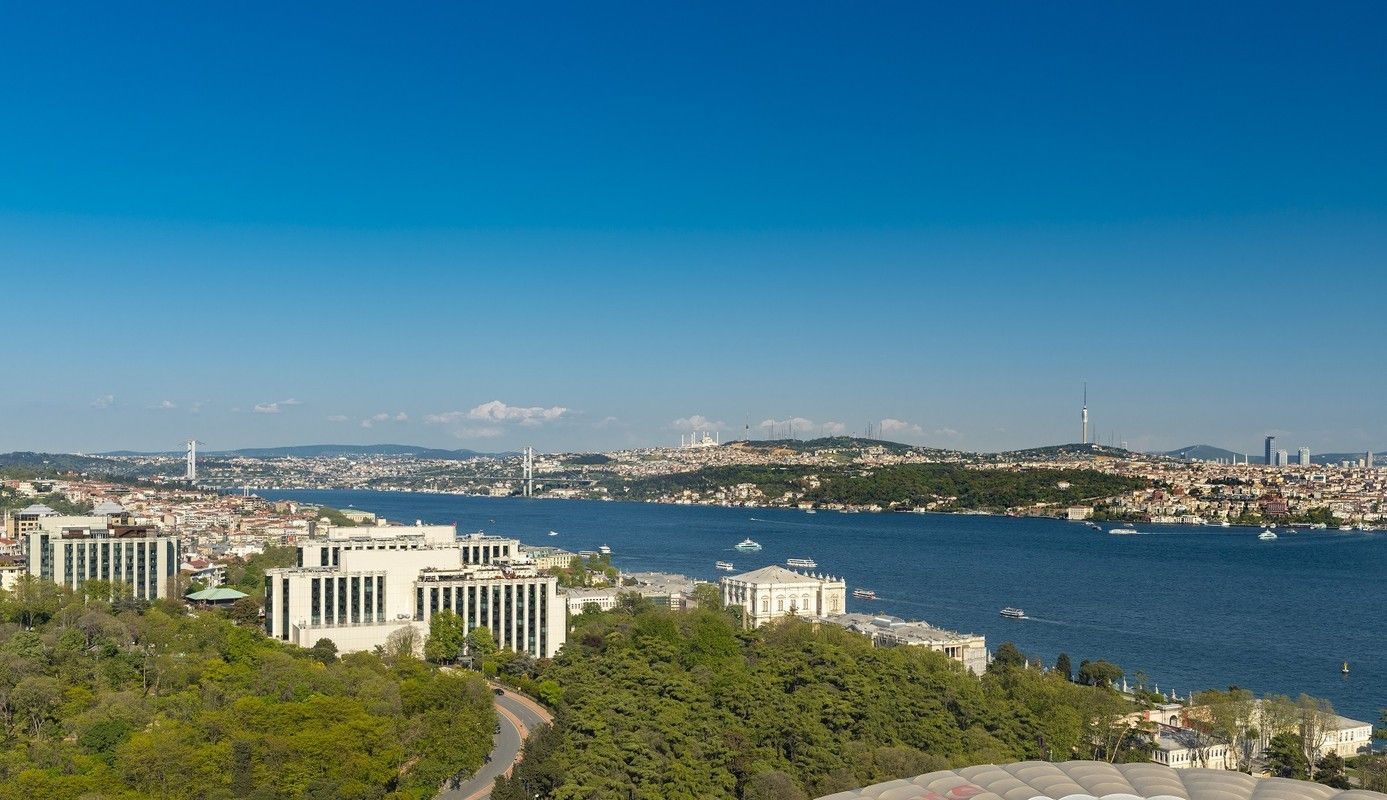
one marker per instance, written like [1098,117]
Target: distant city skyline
[588,229]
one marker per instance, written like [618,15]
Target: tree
[446,637]
[246,610]
[1008,656]
[1064,668]
[1317,723]
[401,645]
[480,642]
[324,651]
[1099,673]
[1330,771]
[1285,757]
[1231,715]
[1372,771]
[773,785]
[707,595]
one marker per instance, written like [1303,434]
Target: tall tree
[1064,668]
[446,637]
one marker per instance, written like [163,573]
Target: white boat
[810,511]
[806,563]
[553,533]
[1225,524]
[605,550]
[1013,613]
[864,594]
[1267,536]
[1345,527]
[1127,530]
[725,566]
[1094,526]
[747,546]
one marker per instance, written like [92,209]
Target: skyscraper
[1269,461]
[1304,459]
[1368,459]
[1282,458]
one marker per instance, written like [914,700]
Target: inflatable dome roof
[1095,780]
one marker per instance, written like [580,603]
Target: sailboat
[1344,669]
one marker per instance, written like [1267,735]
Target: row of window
[132,563]
[515,613]
[346,600]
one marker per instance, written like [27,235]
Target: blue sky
[586,227]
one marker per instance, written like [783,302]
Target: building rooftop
[775,574]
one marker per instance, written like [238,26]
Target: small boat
[605,550]
[725,566]
[1345,527]
[1126,530]
[553,533]
[1094,526]
[1344,669]
[1225,524]
[1267,536]
[806,563]
[1013,613]
[747,546]
[864,594]
[810,511]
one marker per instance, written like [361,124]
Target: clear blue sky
[574,226]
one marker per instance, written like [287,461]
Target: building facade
[773,592]
[968,649]
[140,557]
[360,585]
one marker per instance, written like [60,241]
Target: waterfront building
[141,557]
[547,558]
[1304,457]
[1184,748]
[360,585]
[773,592]
[968,649]
[577,600]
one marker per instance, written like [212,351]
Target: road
[518,716]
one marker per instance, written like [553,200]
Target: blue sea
[1191,607]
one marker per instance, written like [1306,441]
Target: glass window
[356,599]
[330,606]
[316,611]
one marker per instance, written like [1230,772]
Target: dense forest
[660,705]
[951,486]
[126,700]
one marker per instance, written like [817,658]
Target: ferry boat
[1126,530]
[806,563]
[1267,536]
[725,566]
[1013,613]
[747,546]
[864,594]
[605,550]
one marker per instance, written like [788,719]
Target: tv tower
[1084,414]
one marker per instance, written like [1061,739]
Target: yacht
[806,563]
[725,566]
[553,533]
[1125,530]
[864,594]
[1345,527]
[748,546]
[1225,524]
[810,511]
[1013,613]
[605,550]
[1094,526]
[1267,536]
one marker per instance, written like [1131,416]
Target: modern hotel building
[360,585]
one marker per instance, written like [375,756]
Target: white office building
[140,557]
[360,585]
[773,592]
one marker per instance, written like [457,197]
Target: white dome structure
[1095,780]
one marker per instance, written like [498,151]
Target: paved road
[518,716]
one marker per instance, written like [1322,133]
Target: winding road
[517,715]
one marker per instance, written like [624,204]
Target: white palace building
[359,585]
[772,592]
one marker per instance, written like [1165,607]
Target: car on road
[498,692]
[498,728]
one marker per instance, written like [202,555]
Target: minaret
[1084,415]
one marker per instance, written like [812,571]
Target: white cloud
[401,416]
[496,412]
[104,401]
[165,405]
[275,407]
[384,416]
[947,432]
[698,422]
[831,428]
[889,426]
[782,427]
[196,406]
[337,418]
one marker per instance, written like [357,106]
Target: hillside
[826,443]
[1074,450]
[328,451]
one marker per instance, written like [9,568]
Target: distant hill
[40,464]
[1058,451]
[328,451]
[1206,452]
[827,443]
